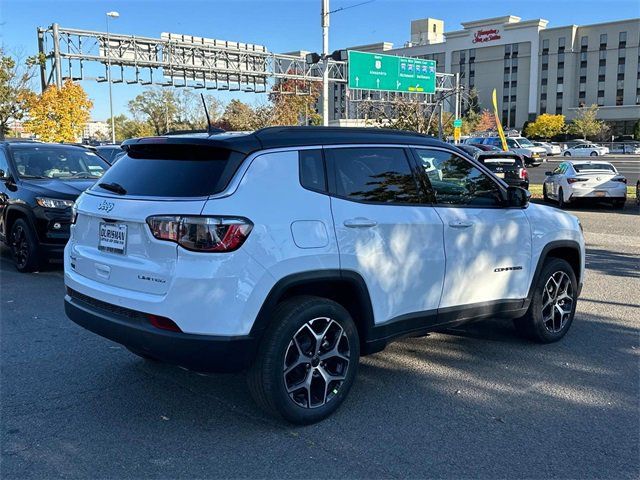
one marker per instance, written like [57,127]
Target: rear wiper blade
[113,187]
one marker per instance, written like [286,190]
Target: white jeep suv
[292,251]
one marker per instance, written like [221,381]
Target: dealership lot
[475,401]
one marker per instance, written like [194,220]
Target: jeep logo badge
[106,206]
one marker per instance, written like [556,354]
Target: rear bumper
[203,353]
[610,193]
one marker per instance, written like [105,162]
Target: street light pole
[325,55]
[113,122]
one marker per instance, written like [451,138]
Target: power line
[350,6]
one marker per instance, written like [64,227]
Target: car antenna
[210,129]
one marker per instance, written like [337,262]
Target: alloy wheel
[316,362]
[20,246]
[557,301]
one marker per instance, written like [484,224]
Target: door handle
[359,222]
[460,224]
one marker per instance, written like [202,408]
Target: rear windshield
[593,166]
[171,171]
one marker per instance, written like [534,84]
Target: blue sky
[279,25]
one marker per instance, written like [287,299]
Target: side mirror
[517,197]
[548,174]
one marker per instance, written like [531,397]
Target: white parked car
[586,150]
[292,251]
[575,180]
[551,148]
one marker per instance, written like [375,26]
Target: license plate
[113,238]
[500,175]
[600,194]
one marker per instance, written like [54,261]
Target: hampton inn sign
[482,36]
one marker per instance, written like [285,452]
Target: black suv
[39,183]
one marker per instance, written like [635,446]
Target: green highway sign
[457,123]
[375,71]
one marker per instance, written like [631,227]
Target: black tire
[593,154]
[267,381]
[533,324]
[567,154]
[24,247]
[561,203]
[545,195]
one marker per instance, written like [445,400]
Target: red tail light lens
[524,175]
[163,323]
[574,180]
[202,234]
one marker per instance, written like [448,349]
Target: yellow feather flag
[498,123]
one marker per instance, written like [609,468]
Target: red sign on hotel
[482,36]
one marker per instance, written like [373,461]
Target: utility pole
[113,122]
[325,56]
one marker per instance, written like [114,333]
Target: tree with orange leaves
[58,115]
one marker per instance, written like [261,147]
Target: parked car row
[532,155]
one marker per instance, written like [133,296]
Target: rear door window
[312,172]
[377,175]
[172,171]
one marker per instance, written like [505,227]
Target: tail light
[202,234]
[571,180]
[524,175]
[621,179]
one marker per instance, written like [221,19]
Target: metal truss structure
[172,60]
[179,61]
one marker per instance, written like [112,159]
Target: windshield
[593,166]
[58,162]
[525,142]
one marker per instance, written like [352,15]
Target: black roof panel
[282,137]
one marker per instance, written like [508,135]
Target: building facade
[534,69]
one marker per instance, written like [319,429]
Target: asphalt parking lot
[473,402]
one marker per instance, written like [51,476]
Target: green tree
[190,113]
[472,112]
[237,116]
[546,126]
[158,107]
[130,128]
[636,131]
[58,115]
[586,124]
[14,89]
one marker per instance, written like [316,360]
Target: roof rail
[343,130]
[211,131]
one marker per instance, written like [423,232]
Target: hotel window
[505,85]
[514,83]
[621,68]
[463,56]
[560,88]
[505,117]
[505,99]
[583,78]
[545,46]
[601,70]
[583,57]
[512,113]
[584,44]
[600,97]
[507,51]
[543,106]
[514,50]
[561,44]
[603,41]
[544,81]
[514,69]
[560,80]
[622,40]
[472,55]
[513,98]
[543,96]
[514,62]
[619,97]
